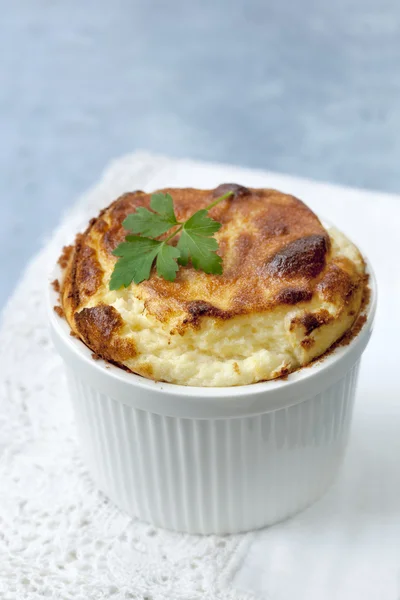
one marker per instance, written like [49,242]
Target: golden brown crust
[56,286]
[58,310]
[65,256]
[311,321]
[292,295]
[338,281]
[274,251]
[305,256]
[99,327]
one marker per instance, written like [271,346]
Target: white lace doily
[59,537]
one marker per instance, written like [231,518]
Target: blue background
[304,87]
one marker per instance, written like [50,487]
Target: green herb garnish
[137,253]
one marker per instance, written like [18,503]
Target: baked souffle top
[289,290]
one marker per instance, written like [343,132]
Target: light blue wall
[304,87]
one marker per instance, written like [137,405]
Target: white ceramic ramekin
[212,460]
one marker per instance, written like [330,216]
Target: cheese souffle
[290,289]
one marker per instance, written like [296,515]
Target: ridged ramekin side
[220,475]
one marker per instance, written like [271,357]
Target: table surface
[306,88]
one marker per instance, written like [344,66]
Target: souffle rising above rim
[289,290]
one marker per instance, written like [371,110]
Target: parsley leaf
[136,257]
[149,223]
[166,263]
[164,205]
[196,242]
[137,254]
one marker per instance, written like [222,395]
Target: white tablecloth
[60,538]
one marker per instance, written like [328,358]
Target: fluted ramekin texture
[212,460]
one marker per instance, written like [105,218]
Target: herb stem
[209,207]
[173,234]
[218,200]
